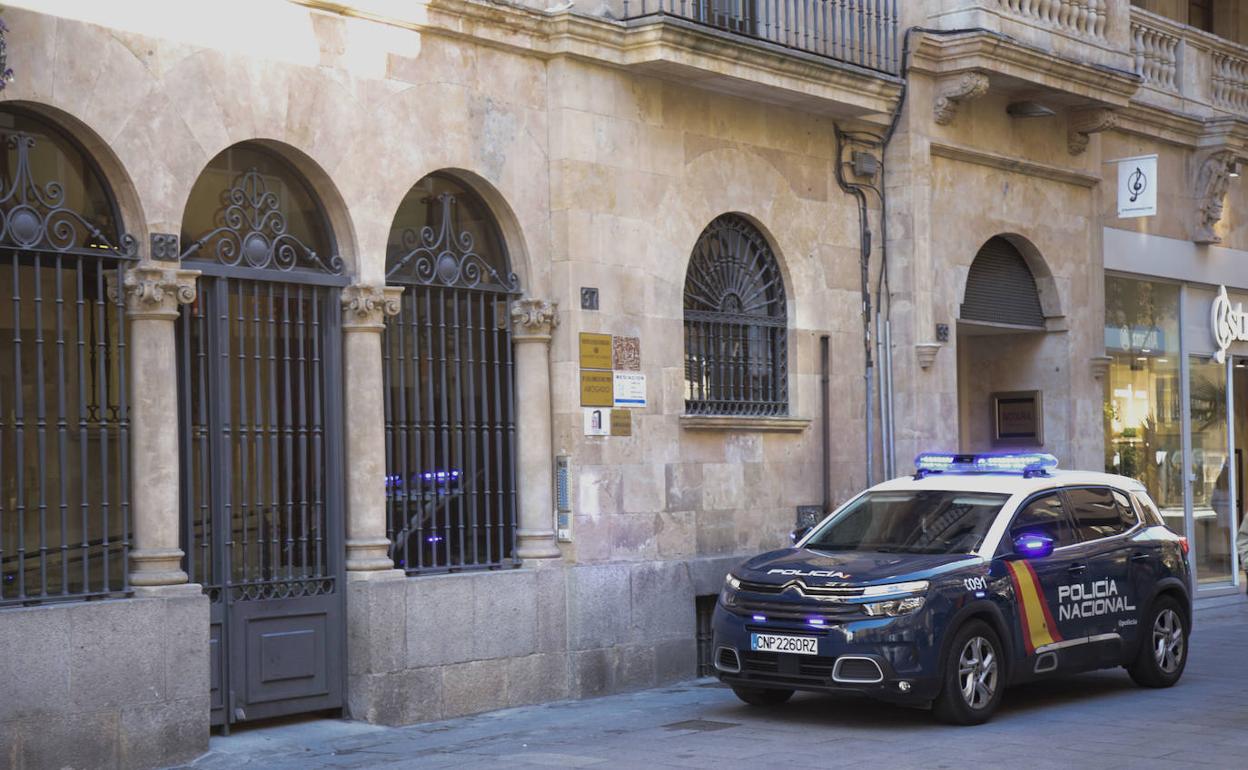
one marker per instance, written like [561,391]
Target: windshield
[924,521]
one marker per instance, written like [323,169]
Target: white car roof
[1007,483]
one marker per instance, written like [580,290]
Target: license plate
[798,645]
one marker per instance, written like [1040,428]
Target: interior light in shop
[1163,360]
[1141,358]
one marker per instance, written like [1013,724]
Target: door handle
[1139,557]
[1075,569]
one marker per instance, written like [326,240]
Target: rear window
[922,521]
[1100,512]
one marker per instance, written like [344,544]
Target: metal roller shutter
[1001,288]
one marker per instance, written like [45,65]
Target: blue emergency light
[1026,463]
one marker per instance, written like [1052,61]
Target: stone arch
[1009,282]
[315,183]
[118,184]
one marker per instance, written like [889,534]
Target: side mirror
[1033,546]
[798,534]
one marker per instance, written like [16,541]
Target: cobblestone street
[1093,720]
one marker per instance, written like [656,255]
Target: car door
[1105,597]
[1047,636]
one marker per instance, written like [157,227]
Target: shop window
[1143,405]
[736,347]
[1211,471]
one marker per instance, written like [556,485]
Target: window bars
[449,410]
[64,421]
[736,348]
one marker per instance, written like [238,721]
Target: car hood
[848,567]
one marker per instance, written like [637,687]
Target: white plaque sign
[630,390]
[1230,324]
[597,421]
[1137,186]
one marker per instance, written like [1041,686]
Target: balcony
[1187,70]
[863,33]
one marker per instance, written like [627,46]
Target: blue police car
[942,588]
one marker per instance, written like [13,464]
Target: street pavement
[1089,721]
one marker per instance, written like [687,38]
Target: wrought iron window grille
[252,232]
[440,257]
[736,349]
[64,417]
[449,407]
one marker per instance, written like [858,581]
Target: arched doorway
[449,408]
[64,416]
[260,381]
[1003,351]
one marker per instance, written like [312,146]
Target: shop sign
[1017,418]
[1230,324]
[621,422]
[595,351]
[1135,338]
[596,388]
[1137,186]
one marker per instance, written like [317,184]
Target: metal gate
[262,501]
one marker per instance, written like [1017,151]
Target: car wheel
[757,696]
[1163,650]
[974,676]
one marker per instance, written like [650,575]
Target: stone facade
[603,149]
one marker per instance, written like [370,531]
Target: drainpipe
[825,372]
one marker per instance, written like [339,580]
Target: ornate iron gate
[260,379]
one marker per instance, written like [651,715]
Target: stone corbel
[950,92]
[364,307]
[155,292]
[1213,176]
[1100,366]
[1084,123]
[926,352]
[533,319]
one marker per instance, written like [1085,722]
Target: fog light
[903,686]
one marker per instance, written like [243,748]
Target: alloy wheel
[977,672]
[1168,640]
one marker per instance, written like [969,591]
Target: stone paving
[1093,720]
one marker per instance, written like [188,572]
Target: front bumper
[873,656]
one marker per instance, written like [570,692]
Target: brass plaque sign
[595,351]
[621,422]
[597,388]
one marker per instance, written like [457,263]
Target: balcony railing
[1181,61]
[1082,17]
[860,32]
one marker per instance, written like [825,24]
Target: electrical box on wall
[563,501]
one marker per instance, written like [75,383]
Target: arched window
[450,416]
[64,424]
[736,351]
[1001,289]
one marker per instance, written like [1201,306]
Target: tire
[1163,650]
[757,696]
[974,676]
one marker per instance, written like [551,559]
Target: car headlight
[896,589]
[728,596]
[894,607]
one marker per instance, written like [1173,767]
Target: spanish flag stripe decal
[1033,611]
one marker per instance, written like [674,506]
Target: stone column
[364,318]
[153,294]
[533,320]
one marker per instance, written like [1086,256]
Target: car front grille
[802,611]
[793,668]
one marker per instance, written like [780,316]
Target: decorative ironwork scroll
[443,258]
[252,232]
[34,217]
[733,272]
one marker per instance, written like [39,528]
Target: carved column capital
[365,307]
[926,353]
[155,292]
[950,92]
[1213,176]
[1084,123]
[533,320]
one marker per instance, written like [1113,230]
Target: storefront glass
[1211,474]
[1143,402]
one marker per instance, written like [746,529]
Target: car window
[1098,512]
[1149,510]
[1046,516]
[920,521]
[1130,516]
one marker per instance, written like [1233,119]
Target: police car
[942,588]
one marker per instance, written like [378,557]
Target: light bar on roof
[1026,463]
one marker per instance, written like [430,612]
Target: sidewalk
[1092,720]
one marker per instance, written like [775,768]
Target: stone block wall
[118,683]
